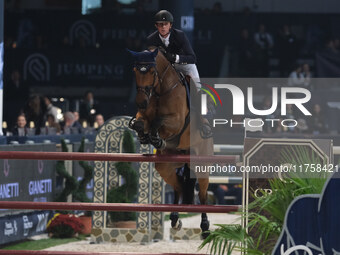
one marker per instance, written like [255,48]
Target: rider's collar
[165,38]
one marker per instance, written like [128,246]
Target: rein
[160,81]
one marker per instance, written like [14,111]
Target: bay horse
[164,120]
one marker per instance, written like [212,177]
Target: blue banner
[71,67]
[27,180]
[21,226]
[311,224]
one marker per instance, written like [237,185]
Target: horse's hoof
[162,146]
[206,131]
[137,125]
[177,226]
[176,223]
[157,142]
[205,234]
[132,123]
[144,139]
[174,218]
[205,225]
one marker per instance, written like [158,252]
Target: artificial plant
[80,193]
[71,183]
[72,186]
[127,192]
[64,225]
[267,212]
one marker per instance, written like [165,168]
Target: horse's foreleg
[140,125]
[203,185]
[155,139]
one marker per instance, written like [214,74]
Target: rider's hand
[171,57]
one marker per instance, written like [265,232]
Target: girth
[174,140]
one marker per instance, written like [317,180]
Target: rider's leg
[191,70]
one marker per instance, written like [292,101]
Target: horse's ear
[155,52]
[133,53]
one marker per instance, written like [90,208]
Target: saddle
[205,126]
[185,80]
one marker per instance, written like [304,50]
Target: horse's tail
[188,186]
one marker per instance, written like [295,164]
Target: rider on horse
[164,119]
[178,51]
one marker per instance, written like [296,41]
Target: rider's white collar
[165,40]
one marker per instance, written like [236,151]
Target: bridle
[150,90]
[143,68]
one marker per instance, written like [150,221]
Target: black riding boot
[203,123]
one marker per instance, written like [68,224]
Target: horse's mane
[152,48]
[161,51]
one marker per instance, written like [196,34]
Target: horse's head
[146,74]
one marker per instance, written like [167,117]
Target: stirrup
[206,131]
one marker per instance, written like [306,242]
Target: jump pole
[119,207]
[27,252]
[119,157]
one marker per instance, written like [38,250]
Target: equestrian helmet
[164,16]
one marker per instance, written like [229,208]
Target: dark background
[43,37]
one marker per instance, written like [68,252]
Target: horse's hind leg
[169,175]
[188,186]
[174,216]
[203,186]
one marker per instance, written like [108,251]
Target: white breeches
[191,70]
